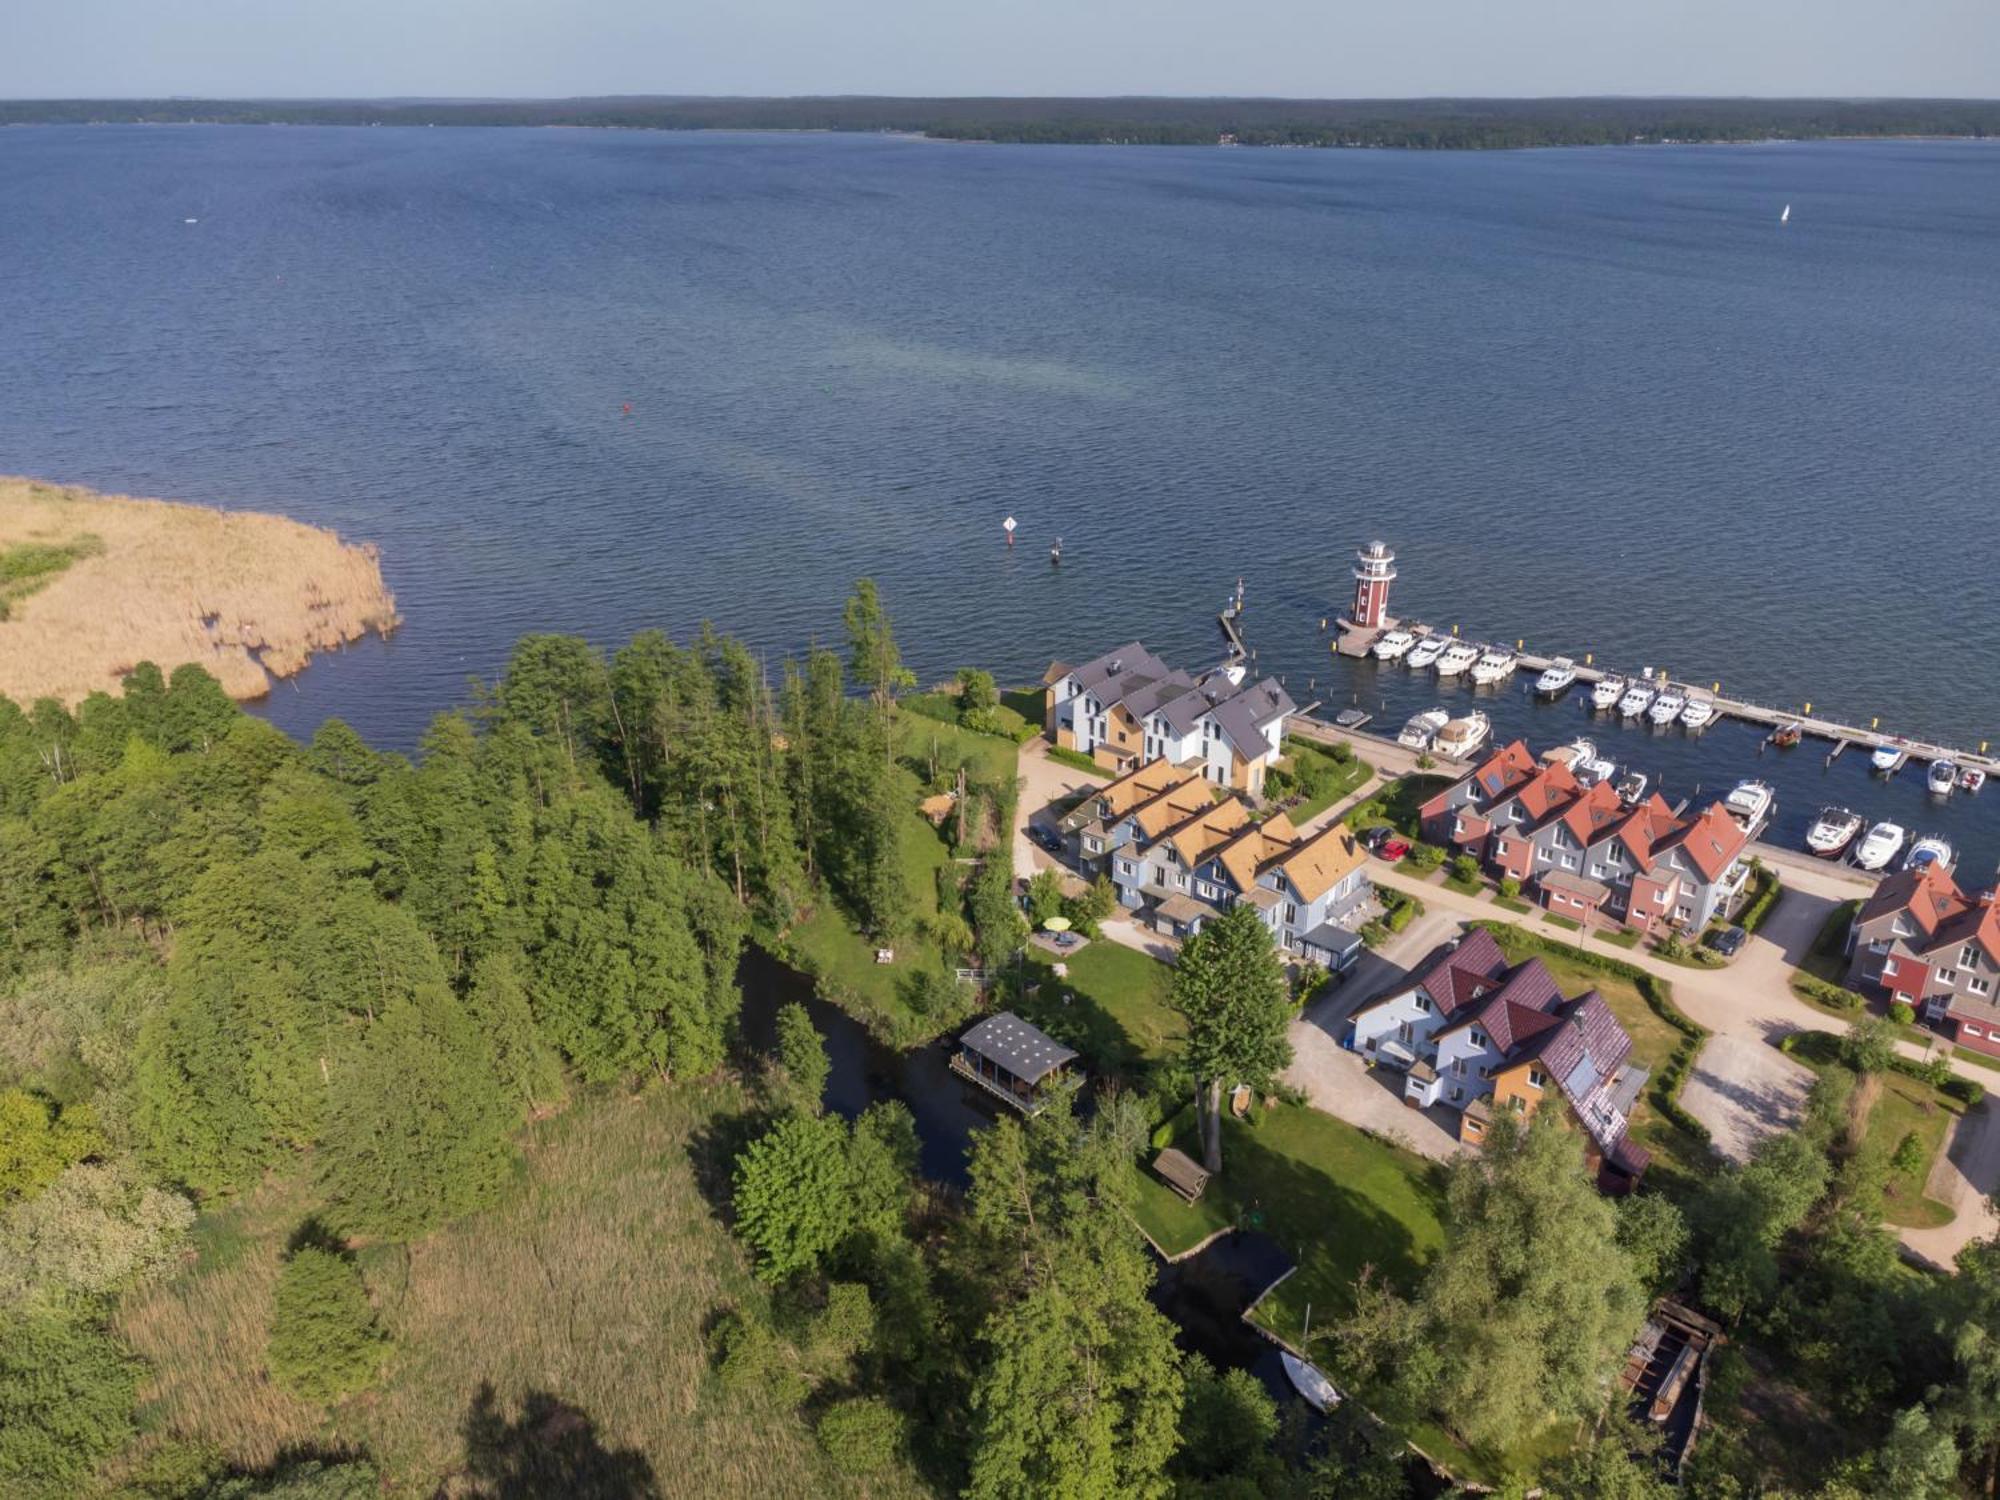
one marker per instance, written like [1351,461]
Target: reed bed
[246,595]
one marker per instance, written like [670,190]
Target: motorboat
[1556,678]
[1426,651]
[1461,737]
[1971,779]
[1698,715]
[1394,645]
[1458,656]
[1753,804]
[1605,694]
[1592,768]
[1942,778]
[1313,1387]
[1666,708]
[1929,850]
[1636,700]
[1494,666]
[1423,728]
[1889,758]
[1832,831]
[1879,845]
[1785,736]
[1631,788]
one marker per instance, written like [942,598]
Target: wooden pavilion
[1011,1060]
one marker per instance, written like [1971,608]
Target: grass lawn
[1472,887]
[1031,703]
[1568,923]
[590,1286]
[1396,804]
[986,757]
[1335,778]
[1966,1054]
[1896,1106]
[1112,1008]
[1508,903]
[1334,1198]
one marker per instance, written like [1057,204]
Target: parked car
[1393,850]
[1048,838]
[1376,837]
[1728,940]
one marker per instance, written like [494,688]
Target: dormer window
[1423,1003]
[1968,956]
[1479,1039]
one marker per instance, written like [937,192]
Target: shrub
[861,1434]
[1403,915]
[66,1391]
[325,1341]
[846,1325]
[1465,869]
[1511,888]
[1902,1013]
[1869,1046]
[994,721]
[1831,995]
[1425,856]
[97,1229]
[1077,760]
[749,1357]
[1967,1091]
[1909,1154]
[1765,890]
[977,690]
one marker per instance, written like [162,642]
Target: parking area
[1742,1089]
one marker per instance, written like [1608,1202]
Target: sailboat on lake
[1786,216]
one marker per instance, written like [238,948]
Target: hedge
[1768,888]
[1827,994]
[1077,760]
[1665,1092]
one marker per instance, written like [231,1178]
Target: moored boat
[1971,779]
[1942,777]
[1666,708]
[1462,736]
[1636,700]
[1556,678]
[1631,788]
[1316,1390]
[1787,735]
[1423,728]
[1426,651]
[1753,804]
[1889,758]
[1931,849]
[1699,714]
[1832,831]
[1605,694]
[1493,666]
[1458,656]
[1879,845]
[1394,645]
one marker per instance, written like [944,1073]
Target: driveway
[1043,781]
[1337,1081]
[1965,1175]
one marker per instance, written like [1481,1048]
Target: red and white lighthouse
[1374,571]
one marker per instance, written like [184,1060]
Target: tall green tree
[527,1068]
[802,1059]
[875,659]
[793,1194]
[66,1394]
[325,1341]
[1230,984]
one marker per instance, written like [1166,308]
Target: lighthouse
[1374,571]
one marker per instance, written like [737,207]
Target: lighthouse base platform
[1351,639]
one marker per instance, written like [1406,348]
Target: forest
[373,1124]
[1404,124]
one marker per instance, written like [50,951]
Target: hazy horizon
[539,49]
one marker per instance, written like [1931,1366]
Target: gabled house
[1323,883]
[1583,853]
[1927,943]
[1128,707]
[1110,818]
[1478,1036]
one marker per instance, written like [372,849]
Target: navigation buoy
[1055,554]
[628,408]
[1008,526]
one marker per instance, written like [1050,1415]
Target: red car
[1393,850]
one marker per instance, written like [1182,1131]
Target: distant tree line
[1406,124]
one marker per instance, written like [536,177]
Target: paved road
[1965,1176]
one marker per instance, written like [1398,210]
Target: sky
[1301,48]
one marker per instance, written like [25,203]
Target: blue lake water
[1598,399]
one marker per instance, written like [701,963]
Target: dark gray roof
[1625,1087]
[1118,672]
[1331,939]
[1244,716]
[1010,1042]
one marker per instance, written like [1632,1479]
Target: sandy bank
[250,597]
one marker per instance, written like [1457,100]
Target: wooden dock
[1839,735]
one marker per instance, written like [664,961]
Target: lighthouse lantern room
[1374,571]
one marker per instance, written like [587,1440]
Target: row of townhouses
[1128,707]
[1477,1035]
[1935,947]
[1180,851]
[1586,854]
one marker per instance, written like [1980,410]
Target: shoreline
[104,582]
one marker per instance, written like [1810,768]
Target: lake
[1599,399]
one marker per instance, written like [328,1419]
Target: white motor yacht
[1394,645]
[1666,708]
[1832,831]
[1942,777]
[1753,804]
[1699,714]
[1637,699]
[1604,695]
[1929,850]
[1631,788]
[1423,729]
[1427,650]
[1878,846]
[1495,665]
[1458,656]
[1593,768]
[1888,759]
[1556,678]
[1461,737]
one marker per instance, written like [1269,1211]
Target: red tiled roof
[1503,770]
[1712,841]
[1590,814]
[1552,788]
[1927,893]
[1978,922]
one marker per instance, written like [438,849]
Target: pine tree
[527,1067]
[325,1341]
[1230,984]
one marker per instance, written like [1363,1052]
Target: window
[1479,1040]
[1093,845]
[1968,956]
[1977,985]
[1458,1066]
[1291,912]
[1971,1031]
[1948,976]
[1485,1070]
[1424,1004]
[1457,1095]
[1536,1078]
[1569,861]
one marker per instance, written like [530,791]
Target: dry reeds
[245,595]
